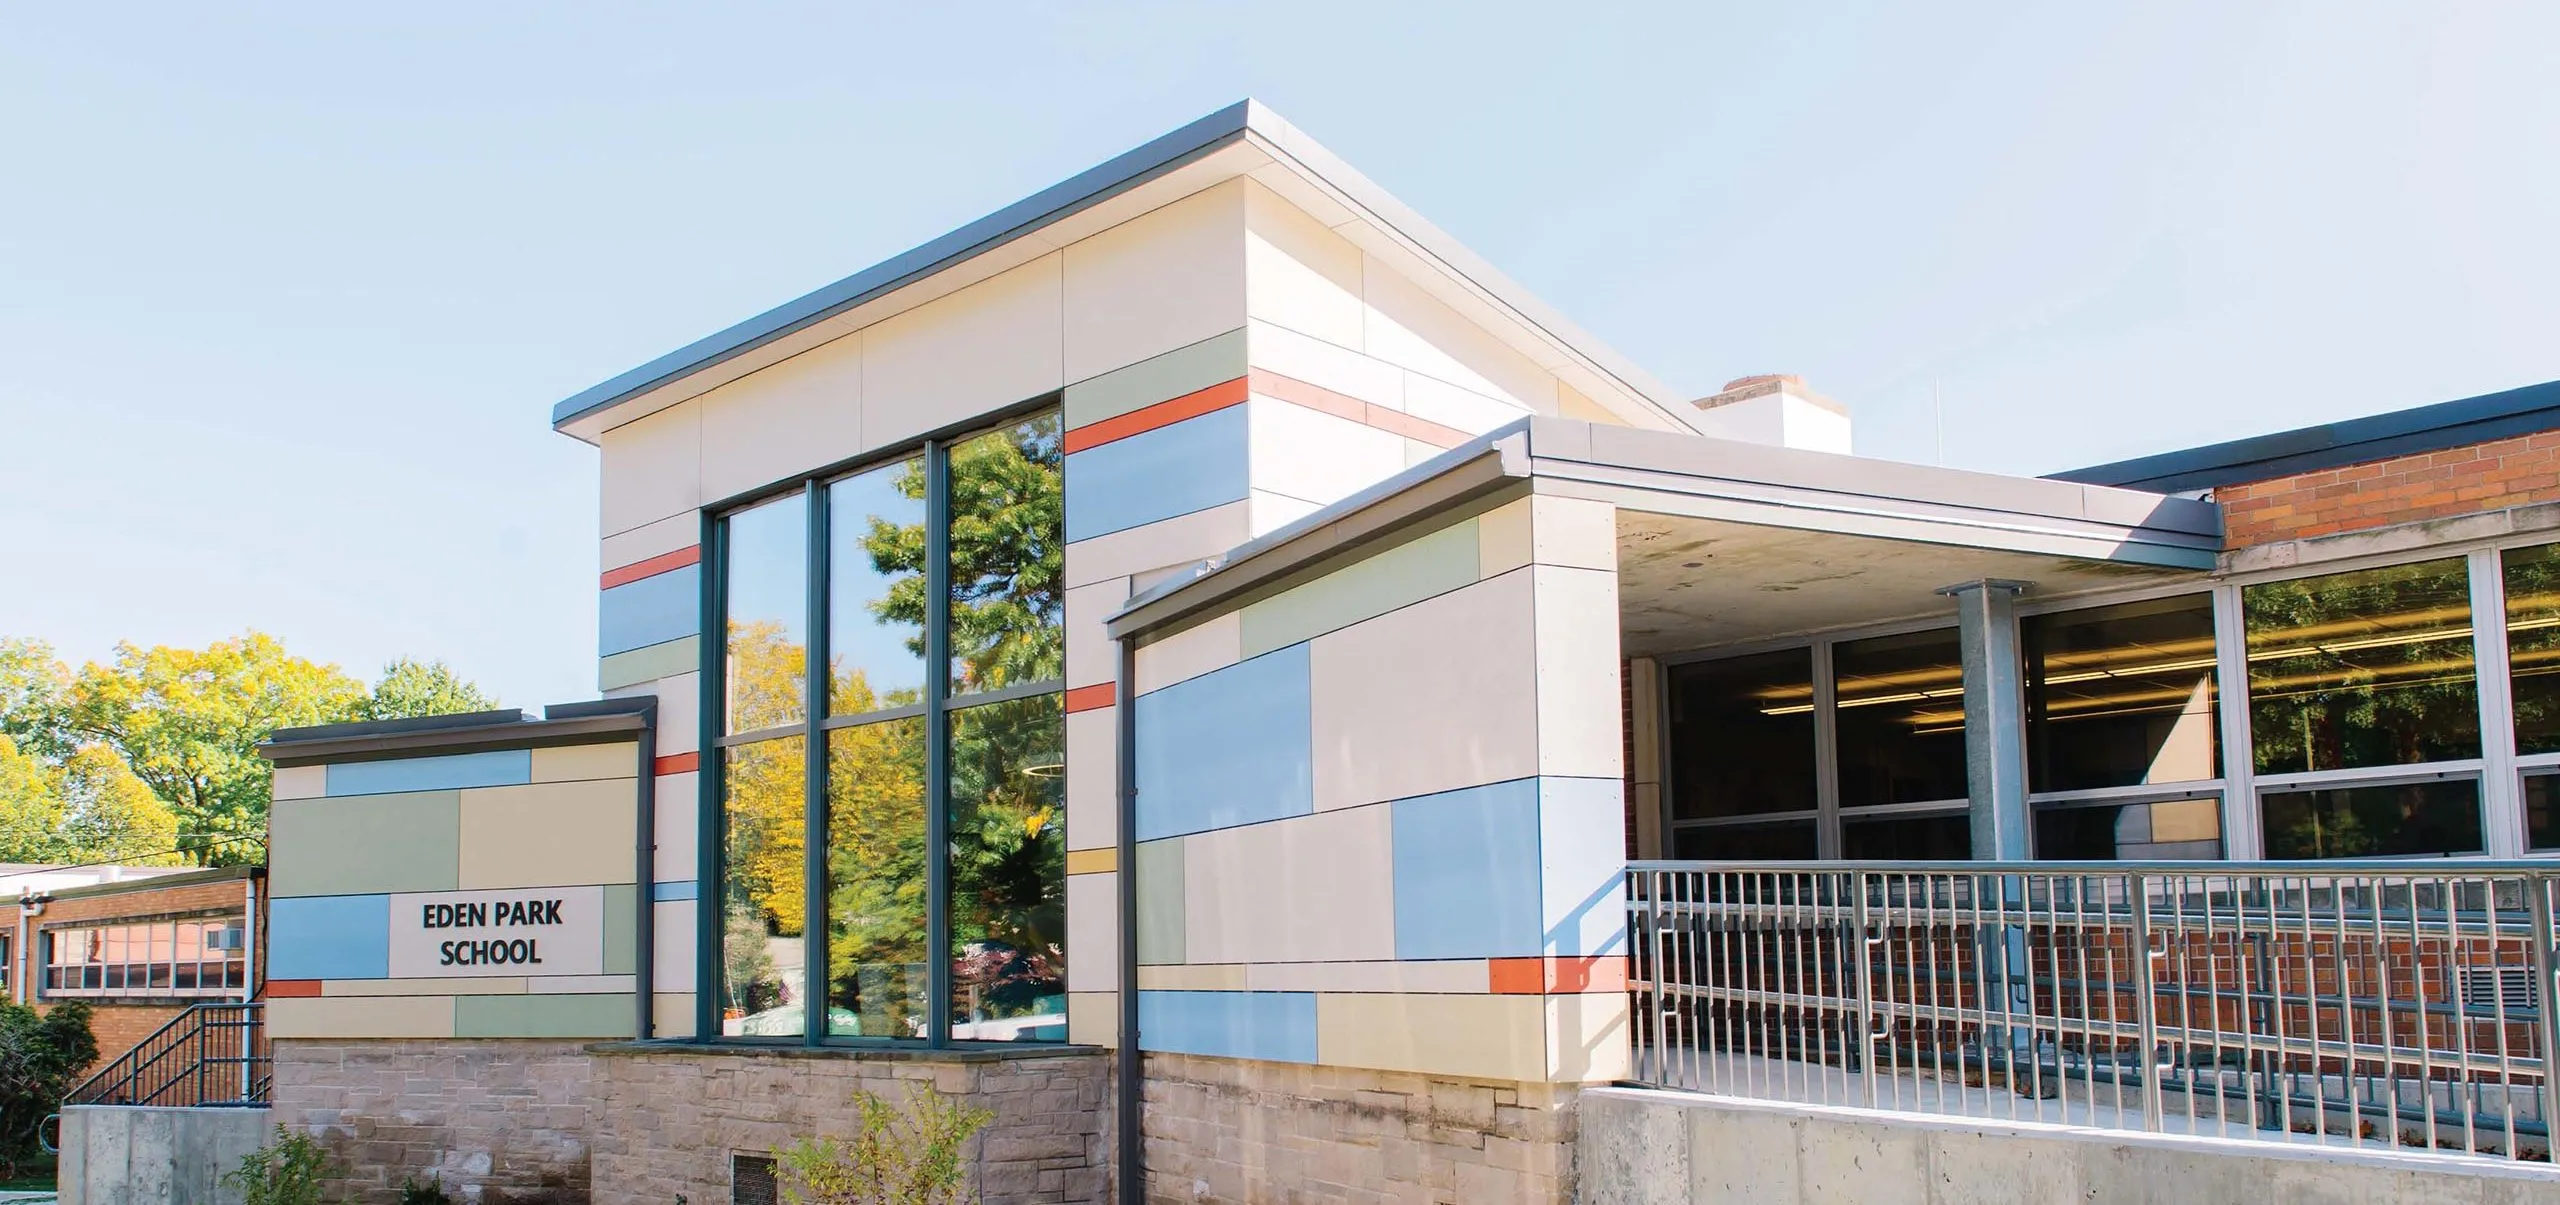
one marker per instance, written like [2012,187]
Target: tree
[410,688]
[34,698]
[110,814]
[30,807]
[41,1058]
[188,723]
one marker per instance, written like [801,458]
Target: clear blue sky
[286,292]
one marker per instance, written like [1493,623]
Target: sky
[287,291]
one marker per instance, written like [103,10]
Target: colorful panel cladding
[486,894]
[1380,814]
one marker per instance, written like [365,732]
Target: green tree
[41,1060]
[34,699]
[188,723]
[30,808]
[110,815]
[410,688]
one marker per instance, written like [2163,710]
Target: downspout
[644,922]
[249,938]
[1132,1176]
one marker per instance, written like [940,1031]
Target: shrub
[41,1060]
[429,1193]
[905,1155]
[283,1172]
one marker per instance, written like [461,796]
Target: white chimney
[1775,409]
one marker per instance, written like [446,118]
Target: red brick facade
[120,1024]
[2432,485]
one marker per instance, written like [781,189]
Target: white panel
[679,808]
[1160,281]
[1576,532]
[1271,511]
[651,539]
[1093,778]
[1450,406]
[672,944]
[1191,652]
[1306,889]
[1504,541]
[801,414]
[1577,689]
[1190,537]
[1299,274]
[300,782]
[1093,932]
[679,709]
[983,348]
[651,469]
[1314,456]
[1431,697]
[1587,1037]
[1093,1019]
[1325,365]
[1091,655]
[1411,328]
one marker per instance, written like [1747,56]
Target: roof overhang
[1245,139]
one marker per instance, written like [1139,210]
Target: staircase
[212,1055]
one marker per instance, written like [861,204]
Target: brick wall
[120,1024]
[2435,485]
[1229,1130]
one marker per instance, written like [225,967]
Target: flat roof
[589,722]
[2454,424]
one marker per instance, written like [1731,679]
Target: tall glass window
[2533,645]
[926,759]
[1744,729]
[2121,696]
[2371,668]
[1901,725]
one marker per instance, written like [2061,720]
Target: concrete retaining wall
[1646,1147]
[129,1155]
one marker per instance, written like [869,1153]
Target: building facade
[138,945]
[1187,659]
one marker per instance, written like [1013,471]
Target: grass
[36,1176]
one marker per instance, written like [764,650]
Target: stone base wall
[667,1121]
[496,1122]
[1227,1130]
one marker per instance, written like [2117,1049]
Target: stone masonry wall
[1227,1130]
[667,1119]
[496,1122]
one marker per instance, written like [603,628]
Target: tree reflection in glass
[1008,871]
[2371,668]
[764,890]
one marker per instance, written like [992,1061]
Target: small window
[1742,732]
[2121,696]
[2439,816]
[1900,703]
[752,1182]
[2354,670]
[160,959]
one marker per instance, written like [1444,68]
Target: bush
[906,1155]
[41,1060]
[429,1193]
[283,1172]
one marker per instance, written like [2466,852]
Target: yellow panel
[1461,976]
[1207,977]
[1092,861]
[671,1013]
[1093,1018]
[501,986]
[367,1017]
[549,834]
[579,985]
[571,763]
[1502,538]
[1492,1037]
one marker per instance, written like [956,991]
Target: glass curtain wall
[2123,750]
[926,759]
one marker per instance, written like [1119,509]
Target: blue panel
[452,772]
[1277,1027]
[653,610]
[1192,465]
[1236,746]
[1467,873]
[670,892]
[329,937]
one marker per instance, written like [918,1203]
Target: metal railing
[2393,1003]
[211,1055]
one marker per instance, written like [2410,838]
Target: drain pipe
[1132,1176]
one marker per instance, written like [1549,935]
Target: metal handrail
[213,1054]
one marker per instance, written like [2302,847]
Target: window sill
[990,1053]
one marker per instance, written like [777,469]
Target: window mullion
[2501,803]
[813,846]
[937,722]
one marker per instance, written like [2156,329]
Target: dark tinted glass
[2533,644]
[1941,837]
[2121,696]
[2541,812]
[1009,871]
[1742,736]
[876,964]
[1901,718]
[1008,566]
[2441,817]
[2371,668]
[1791,841]
[765,902]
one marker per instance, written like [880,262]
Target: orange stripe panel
[1162,414]
[678,763]
[1556,976]
[292,989]
[652,567]
[1086,698]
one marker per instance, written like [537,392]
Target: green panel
[650,664]
[621,925]
[606,1015]
[1403,575]
[1160,916]
[364,844]
[1163,378]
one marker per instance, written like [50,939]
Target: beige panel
[1504,541]
[1433,400]
[1586,1037]
[2187,820]
[580,985]
[1191,537]
[1093,779]
[1331,366]
[1435,696]
[679,822]
[1091,655]
[1298,274]
[1167,278]
[1491,1037]
[1214,977]
[1304,889]
[650,540]
[573,763]
[1453,976]
[1191,652]
[423,987]
[300,782]
[983,348]
[1320,457]
[652,468]
[671,1013]
[671,937]
[1093,1019]
[1576,532]
[1573,403]
[1093,932]
[548,835]
[801,414]
[1578,697]
[360,1017]
[1410,328]
[679,709]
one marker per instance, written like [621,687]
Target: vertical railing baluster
[2146,1020]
